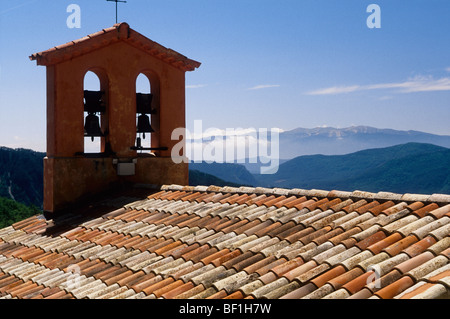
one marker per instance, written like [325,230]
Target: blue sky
[265,63]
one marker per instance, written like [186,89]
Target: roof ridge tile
[362,195]
[440,198]
[298,192]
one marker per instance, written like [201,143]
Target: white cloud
[335,90]
[195,86]
[212,133]
[416,84]
[426,85]
[17,7]
[264,86]
[447,69]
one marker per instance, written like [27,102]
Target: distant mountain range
[326,141]
[407,168]
[336,141]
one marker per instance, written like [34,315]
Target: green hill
[12,212]
[424,173]
[412,167]
[197,178]
[21,175]
[232,173]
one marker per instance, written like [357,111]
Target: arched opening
[92,144]
[143,84]
[94,110]
[144,112]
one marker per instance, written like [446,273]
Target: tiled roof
[119,32]
[234,243]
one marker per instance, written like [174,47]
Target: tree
[12,212]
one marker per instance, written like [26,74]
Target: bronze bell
[144,103]
[92,126]
[93,101]
[144,125]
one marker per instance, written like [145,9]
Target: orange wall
[121,64]
[70,180]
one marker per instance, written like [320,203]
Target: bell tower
[134,128]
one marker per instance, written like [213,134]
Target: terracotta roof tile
[376,210]
[299,270]
[400,245]
[317,204]
[326,221]
[349,242]
[441,232]
[300,292]
[440,246]
[415,206]
[304,203]
[420,246]
[295,232]
[260,264]
[327,276]
[216,254]
[429,227]
[365,208]
[274,289]
[421,271]
[440,276]
[206,242]
[222,259]
[218,295]
[355,205]
[235,295]
[386,242]
[320,292]
[446,253]
[336,204]
[119,32]
[341,280]
[310,235]
[414,262]
[371,240]
[395,288]
[328,204]
[343,236]
[359,282]
[440,212]
[390,227]
[285,201]
[318,273]
[257,226]
[425,291]
[274,201]
[342,256]
[243,261]
[423,211]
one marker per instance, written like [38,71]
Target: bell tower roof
[108,36]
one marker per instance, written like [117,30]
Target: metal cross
[116,1]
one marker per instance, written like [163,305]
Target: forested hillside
[21,175]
